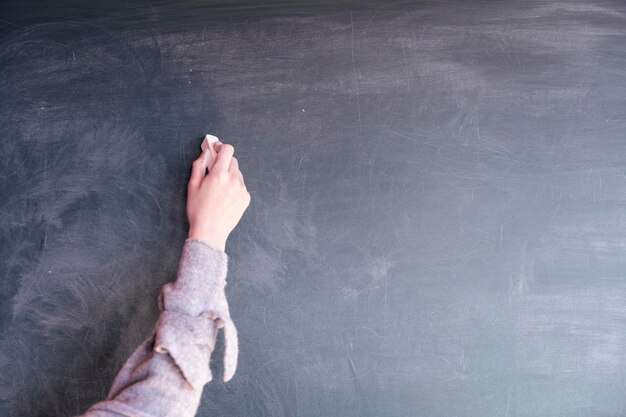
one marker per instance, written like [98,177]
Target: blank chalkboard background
[438,215]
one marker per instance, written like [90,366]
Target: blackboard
[438,215]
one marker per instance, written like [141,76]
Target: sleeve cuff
[200,280]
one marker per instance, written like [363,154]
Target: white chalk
[209,143]
[208,139]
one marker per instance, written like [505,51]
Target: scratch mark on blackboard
[265,364]
[6,22]
[463,360]
[424,31]
[158,44]
[457,373]
[45,165]
[500,40]
[300,163]
[356,81]
[182,149]
[406,61]
[265,323]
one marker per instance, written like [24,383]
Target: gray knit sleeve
[165,375]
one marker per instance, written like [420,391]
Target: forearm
[165,375]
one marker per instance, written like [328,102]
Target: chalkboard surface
[438,215]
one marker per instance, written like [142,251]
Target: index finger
[224,156]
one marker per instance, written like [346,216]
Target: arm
[165,375]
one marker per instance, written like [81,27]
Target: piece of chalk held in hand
[208,145]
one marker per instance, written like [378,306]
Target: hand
[216,202]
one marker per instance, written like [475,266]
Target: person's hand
[216,202]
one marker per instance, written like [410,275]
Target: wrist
[211,239]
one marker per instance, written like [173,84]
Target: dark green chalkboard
[438,215]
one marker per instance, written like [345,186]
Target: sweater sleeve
[165,375]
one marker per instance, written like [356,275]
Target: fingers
[224,157]
[198,170]
[225,153]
